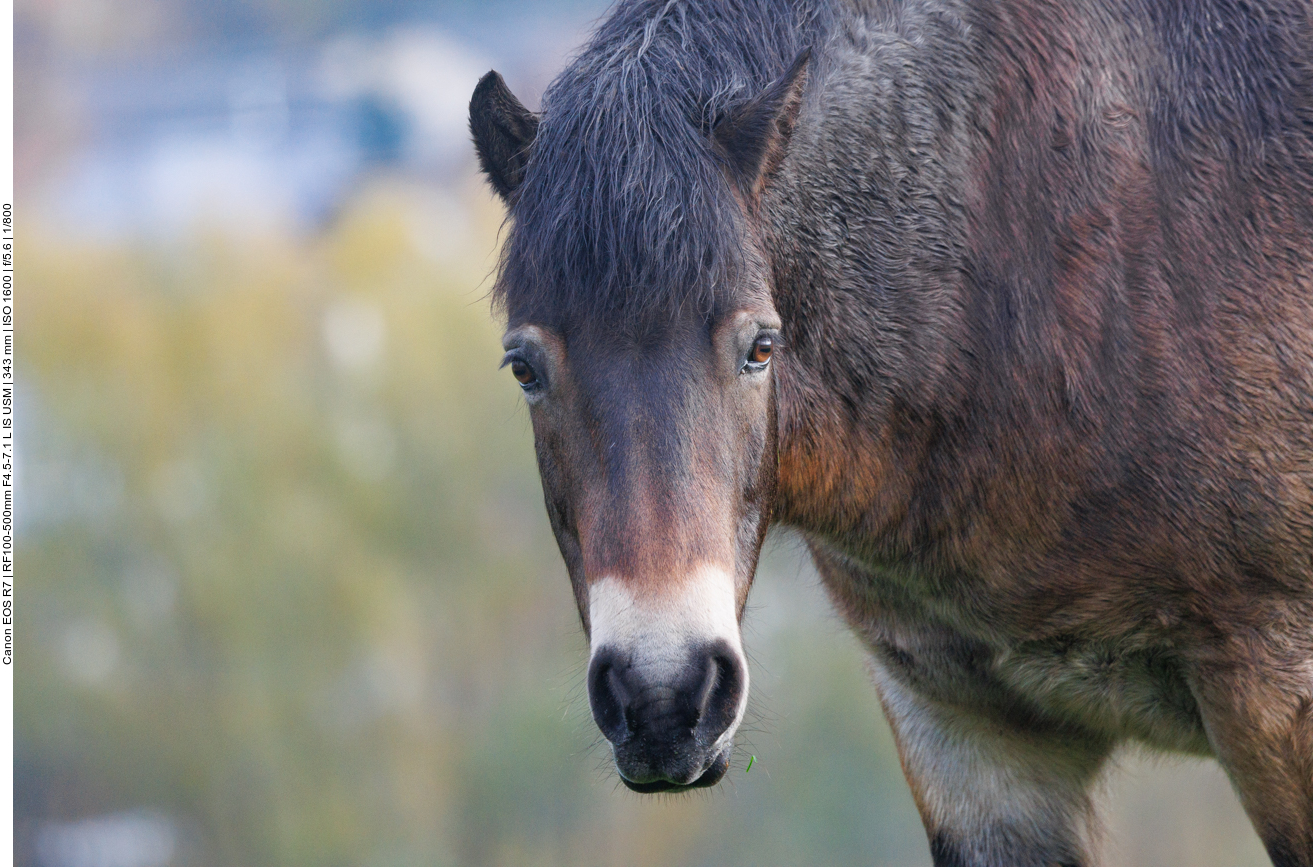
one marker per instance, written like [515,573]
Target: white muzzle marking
[657,630]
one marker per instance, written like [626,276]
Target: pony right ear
[754,138]
[503,129]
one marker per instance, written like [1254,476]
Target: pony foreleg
[1259,719]
[994,792]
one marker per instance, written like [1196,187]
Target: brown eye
[761,350]
[522,372]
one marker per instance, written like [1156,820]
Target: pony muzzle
[667,683]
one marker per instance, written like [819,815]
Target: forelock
[624,210]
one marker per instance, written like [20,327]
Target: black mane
[624,208]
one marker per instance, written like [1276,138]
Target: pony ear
[503,129]
[754,137]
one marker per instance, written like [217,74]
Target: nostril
[710,679]
[607,694]
[623,700]
[720,693]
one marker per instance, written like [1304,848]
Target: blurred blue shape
[132,839]
[381,130]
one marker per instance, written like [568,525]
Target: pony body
[1040,281]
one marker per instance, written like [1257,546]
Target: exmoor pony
[1007,307]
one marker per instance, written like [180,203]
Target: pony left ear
[754,138]
[503,129]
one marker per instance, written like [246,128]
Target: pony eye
[523,373]
[758,354]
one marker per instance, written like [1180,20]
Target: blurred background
[287,591]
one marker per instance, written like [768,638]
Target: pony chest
[1127,692]
[953,652]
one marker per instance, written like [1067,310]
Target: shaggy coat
[1036,285]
